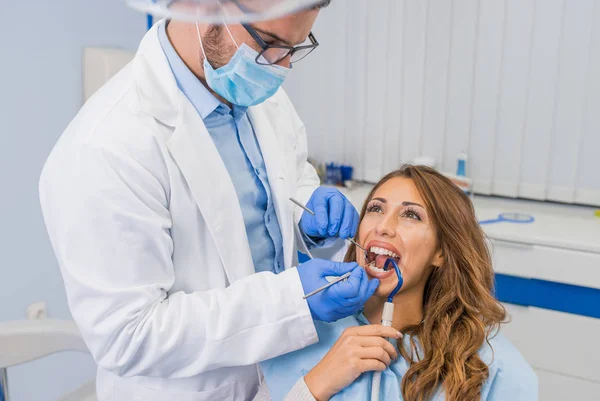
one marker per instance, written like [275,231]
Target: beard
[218,46]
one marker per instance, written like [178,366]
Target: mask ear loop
[230,35]
[200,40]
[225,24]
[232,38]
[199,36]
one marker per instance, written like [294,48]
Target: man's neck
[408,309]
[183,38]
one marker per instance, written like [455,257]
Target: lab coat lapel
[196,155]
[198,158]
[277,175]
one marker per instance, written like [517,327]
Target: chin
[381,293]
[384,289]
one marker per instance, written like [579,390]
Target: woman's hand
[359,349]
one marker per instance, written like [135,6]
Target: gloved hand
[334,215]
[340,300]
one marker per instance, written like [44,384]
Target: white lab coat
[149,235]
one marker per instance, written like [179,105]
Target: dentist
[166,201]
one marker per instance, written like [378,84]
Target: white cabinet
[547,263]
[562,343]
[555,387]
[563,348]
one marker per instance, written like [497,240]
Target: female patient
[451,349]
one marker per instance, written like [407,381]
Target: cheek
[365,231]
[420,246]
[418,239]
[413,275]
[366,226]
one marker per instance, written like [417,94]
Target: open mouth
[377,255]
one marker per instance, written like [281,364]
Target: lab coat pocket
[223,393]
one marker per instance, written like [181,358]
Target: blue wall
[41,44]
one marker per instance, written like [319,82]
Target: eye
[412,214]
[374,208]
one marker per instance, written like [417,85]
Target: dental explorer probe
[335,281]
[340,278]
[326,286]
[300,205]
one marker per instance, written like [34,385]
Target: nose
[387,226]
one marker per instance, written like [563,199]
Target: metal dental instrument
[326,286]
[313,213]
[364,250]
[300,205]
[340,278]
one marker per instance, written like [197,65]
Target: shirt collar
[360,316]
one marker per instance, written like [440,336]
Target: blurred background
[501,95]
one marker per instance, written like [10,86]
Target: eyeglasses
[272,54]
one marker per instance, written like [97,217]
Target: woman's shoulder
[510,376]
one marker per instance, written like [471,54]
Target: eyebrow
[273,36]
[382,200]
[412,204]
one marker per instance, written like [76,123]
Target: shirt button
[268,218]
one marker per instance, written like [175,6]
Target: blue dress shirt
[234,137]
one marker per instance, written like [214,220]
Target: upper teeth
[382,251]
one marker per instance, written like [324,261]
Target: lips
[379,252]
[379,273]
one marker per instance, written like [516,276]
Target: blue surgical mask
[242,81]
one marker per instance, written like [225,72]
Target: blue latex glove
[334,215]
[340,300]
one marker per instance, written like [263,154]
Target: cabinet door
[558,342]
[554,387]
[546,263]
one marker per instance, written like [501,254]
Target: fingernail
[400,335]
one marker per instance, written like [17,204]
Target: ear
[438,259]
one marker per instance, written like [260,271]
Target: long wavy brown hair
[460,312]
